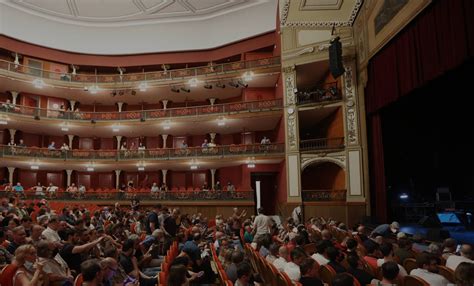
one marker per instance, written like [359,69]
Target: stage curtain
[439,39]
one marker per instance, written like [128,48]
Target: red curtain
[439,39]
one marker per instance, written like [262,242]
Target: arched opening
[323,181]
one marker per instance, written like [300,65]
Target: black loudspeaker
[335,58]
[437,234]
[430,222]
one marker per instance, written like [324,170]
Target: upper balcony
[141,115]
[67,79]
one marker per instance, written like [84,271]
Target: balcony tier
[140,115]
[225,151]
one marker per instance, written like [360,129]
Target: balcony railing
[328,92]
[134,78]
[223,151]
[322,144]
[142,195]
[324,195]
[227,108]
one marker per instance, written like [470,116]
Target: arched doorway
[323,181]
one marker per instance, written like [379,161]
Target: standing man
[261,224]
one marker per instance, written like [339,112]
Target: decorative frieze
[351,107]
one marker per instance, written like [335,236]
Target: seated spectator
[231,271]
[230,187]
[265,140]
[72,190]
[56,272]
[19,238]
[333,254]
[428,269]
[51,190]
[465,256]
[141,147]
[154,188]
[351,245]
[39,189]
[464,274]
[217,186]
[390,271]
[273,253]
[64,147]
[434,249]
[309,273]
[92,273]
[387,229]
[124,147]
[244,274]
[82,191]
[178,276]
[21,144]
[281,261]
[387,252]
[292,268]
[403,251]
[342,279]
[355,270]
[205,144]
[372,255]
[52,146]
[320,256]
[449,247]
[184,145]
[29,271]
[8,105]
[19,189]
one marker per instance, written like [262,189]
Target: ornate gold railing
[324,195]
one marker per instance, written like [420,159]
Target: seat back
[6,276]
[447,273]
[356,282]
[78,281]
[310,248]
[326,273]
[409,264]
[414,281]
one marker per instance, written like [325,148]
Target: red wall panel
[86,143]
[253,94]
[154,142]
[31,140]
[177,179]
[232,174]
[106,180]
[57,178]
[108,143]
[84,179]
[28,178]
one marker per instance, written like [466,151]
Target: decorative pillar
[10,174]
[164,175]
[213,136]
[213,175]
[165,103]
[72,103]
[71,138]
[164,136]
[212,100]
[117,179]
[68,181]
[14,96]
[119,140]
[12,134]
[120,105]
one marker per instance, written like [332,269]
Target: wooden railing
[217,109]
[142,195]
[323,195]
[322,144]
[221,151]
[135,78]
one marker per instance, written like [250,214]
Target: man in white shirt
[261,224]
[320,255]
[281,262]
[427,268]
[387,251]
[51,190]
[466,256]
[292,268]
[51,232]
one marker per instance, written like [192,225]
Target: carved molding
[300,52]
[318,24]
[310,159]
[351,108]
[290,98]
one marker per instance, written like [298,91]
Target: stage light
[167,125]
[64,128]
[38,83]
[34,167]
[251,165]
[208,86]
[90,169]
[193,167]
[248,76]
[220,85]
[94,89]
[187,90]
[141,168]
[403,196]
[115,129]
[193,82]
[143,86]
[3,120]
[221,122]
[175,89]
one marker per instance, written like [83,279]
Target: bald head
[466,251]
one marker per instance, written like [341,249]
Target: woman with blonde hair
[29,271]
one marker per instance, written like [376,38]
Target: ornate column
[119,105]
[68,181]
[73,104]
[12,134]
[119,140]
[164,172]
[117,179]
[292,137]
[212,100]
[14,96]
[164,136]
[11,170]
[213,176]
[165,103]
[71,138]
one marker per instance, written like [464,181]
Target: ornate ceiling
[135,26]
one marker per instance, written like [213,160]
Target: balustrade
[322,144]
[323,195]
